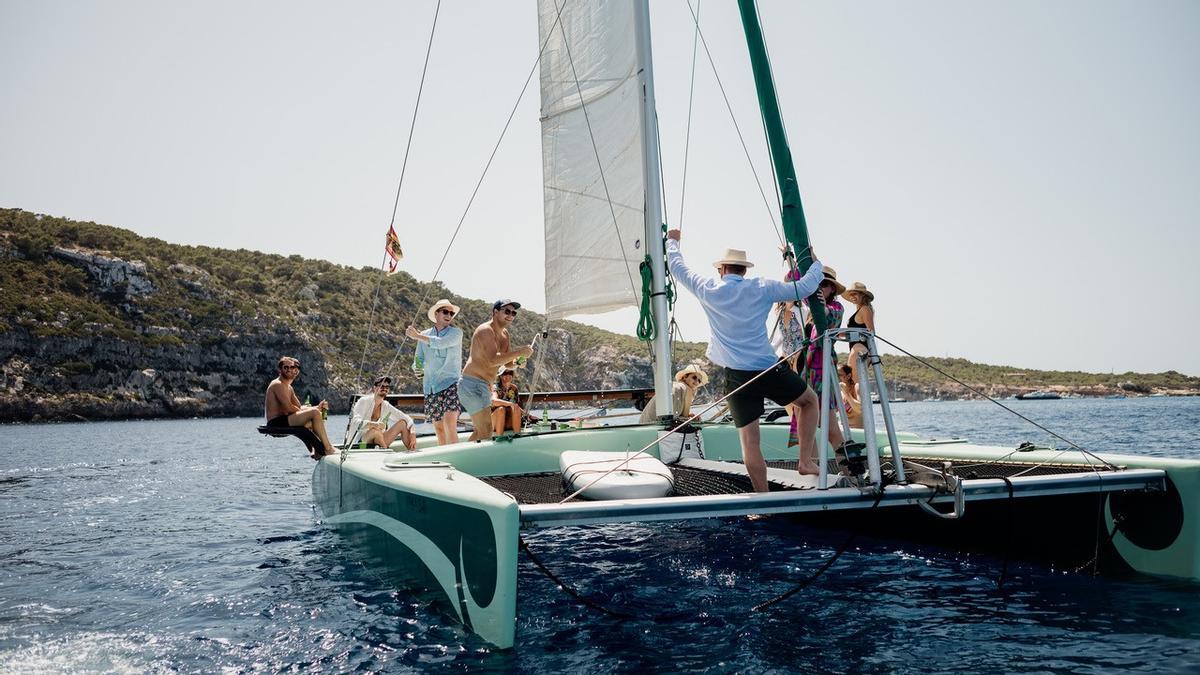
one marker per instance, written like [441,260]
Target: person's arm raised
[679,269]
[802,288]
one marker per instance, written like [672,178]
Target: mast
[654,215]
[795,228]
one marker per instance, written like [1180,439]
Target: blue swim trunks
[474,393]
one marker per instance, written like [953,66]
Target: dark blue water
[193,546]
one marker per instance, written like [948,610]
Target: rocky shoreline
[98,323]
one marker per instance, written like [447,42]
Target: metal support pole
[886,408]
[823,429]
[654,216]
[870,439]
[832,378]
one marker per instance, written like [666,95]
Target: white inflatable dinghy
[639,478]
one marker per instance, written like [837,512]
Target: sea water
[193,546]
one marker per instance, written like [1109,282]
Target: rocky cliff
[100,323]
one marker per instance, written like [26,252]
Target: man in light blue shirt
[737,308]
[439,355]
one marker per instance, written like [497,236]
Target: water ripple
[193,546]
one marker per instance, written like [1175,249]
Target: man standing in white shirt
[737,308]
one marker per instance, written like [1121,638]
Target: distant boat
[1038,396]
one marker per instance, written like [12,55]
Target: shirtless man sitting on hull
[284,409]
[490,349]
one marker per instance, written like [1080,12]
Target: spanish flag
[391,246]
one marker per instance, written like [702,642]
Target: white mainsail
[591,156]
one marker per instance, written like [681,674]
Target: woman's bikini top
[854,323]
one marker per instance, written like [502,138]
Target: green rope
[646,329]
[645,326]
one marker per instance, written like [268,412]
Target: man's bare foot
[809,469]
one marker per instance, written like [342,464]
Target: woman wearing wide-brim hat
[438,362]
[863,318]
[829,289]
[683,392]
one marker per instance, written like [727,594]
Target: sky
[1017,182]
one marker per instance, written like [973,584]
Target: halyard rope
[737,128]
[1086,452]
[474,193]
[362,362]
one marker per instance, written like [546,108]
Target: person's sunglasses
[292,367]
[446,312]
[510,312]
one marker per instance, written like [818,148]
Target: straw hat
[692,370]
[440,304]
[856,290]
[831,275]
[734,256]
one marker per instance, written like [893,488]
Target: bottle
[418,364]
[307,401]
[520,360]
[545,416]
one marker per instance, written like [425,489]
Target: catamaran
[450,518]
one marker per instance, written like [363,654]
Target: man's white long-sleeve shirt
[737,310]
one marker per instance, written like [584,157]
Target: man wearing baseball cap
[490,349]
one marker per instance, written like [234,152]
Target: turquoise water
[192,545]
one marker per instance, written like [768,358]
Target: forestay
[591,156]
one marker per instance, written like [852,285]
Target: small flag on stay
[392,247]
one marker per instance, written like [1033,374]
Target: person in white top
[736,308]
[371,415]
[683,392]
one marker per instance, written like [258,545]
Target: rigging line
[362,361]
[767,48]
[413,125]
[475,192]
[537,364]
[762,115]
[399,184]
[595,149]
[687,140]
[983,395]
[741,138]
[522,545]
[822,569]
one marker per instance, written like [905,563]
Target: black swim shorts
[781,384]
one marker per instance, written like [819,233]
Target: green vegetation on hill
[110,320]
